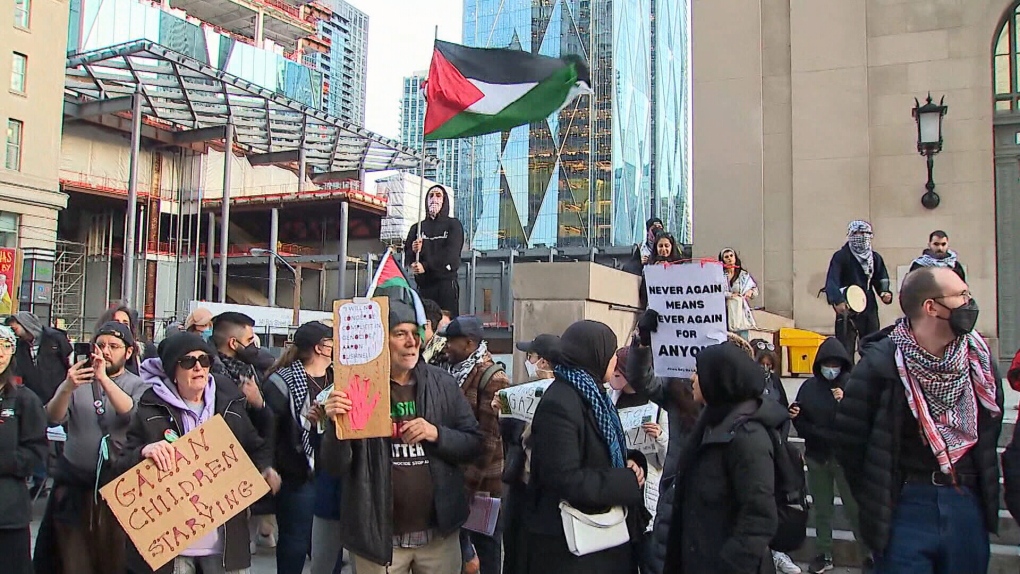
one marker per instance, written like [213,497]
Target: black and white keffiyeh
[858,237]
[462,370]
[297,382]
[929,259]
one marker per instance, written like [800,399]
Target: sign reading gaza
[691,301]
[164,513]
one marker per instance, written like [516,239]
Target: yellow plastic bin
[801,348]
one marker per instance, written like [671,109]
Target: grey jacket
[364,467]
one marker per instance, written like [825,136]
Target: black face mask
[963,318]
[248,353]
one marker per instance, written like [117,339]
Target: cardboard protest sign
[632,418]
[519,402]
[361,366]
[691,301]
[164,513]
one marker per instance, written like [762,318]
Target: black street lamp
[929,141]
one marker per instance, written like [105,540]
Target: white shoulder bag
[590,533]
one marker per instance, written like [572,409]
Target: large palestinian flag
[475,91]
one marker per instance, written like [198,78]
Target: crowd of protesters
[906,437]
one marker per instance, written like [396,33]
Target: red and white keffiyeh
[944,392]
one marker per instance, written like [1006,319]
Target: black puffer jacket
[22,448]
[49,368]
[817,405]
[869,424]
[364,467]
[677,398]
[725,511]
[153,417]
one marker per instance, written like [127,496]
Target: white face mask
[830,373]
[532,369]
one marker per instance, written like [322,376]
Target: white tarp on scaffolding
[403,195]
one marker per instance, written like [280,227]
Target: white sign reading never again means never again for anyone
[691,301]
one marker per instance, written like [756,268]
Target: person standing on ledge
[434,256]
[938,254]
[857,264]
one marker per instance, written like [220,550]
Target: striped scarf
[928,259]
[606,417]
[944,393]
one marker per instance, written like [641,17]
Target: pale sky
[400,35]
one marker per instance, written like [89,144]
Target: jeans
[295,504]
[936,530]
[824,478]
[328,557]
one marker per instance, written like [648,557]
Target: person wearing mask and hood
[676,396]
[539,362]
[23,447]
[643,253]
[433,255]
[816,406]
[183,396]
[580,457]
[724,514]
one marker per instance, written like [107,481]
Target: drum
[856,299]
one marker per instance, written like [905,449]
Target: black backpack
[791,495]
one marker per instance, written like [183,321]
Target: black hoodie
[442,241]
[817,405]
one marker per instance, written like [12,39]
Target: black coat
[725,511]
[153,417]
[49,369]
[442,242]
[869,424]
[23,447]
[570,461]
[957,268]
[845,270]
[817,405]
[677,398]
[1011,474]
[365,469]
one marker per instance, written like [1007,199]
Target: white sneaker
[267,540]
[784,563]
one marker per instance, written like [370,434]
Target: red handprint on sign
[361,407]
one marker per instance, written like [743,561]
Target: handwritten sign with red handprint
[361,366]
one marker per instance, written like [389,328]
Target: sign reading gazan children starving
[691,301]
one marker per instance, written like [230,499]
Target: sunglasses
[764,345]
[189,361]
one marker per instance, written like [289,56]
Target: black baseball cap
[545,346]
[467,326]
[118,330]
[311,334]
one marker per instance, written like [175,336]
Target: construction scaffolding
[69,289]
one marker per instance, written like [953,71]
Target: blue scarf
[606,417]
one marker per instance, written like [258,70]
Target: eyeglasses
[188,362]
[762,345]
[110,346]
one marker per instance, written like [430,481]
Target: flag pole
[421,173]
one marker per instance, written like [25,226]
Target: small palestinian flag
[391,282]
[475,91]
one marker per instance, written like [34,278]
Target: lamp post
[260,252]
[929,141]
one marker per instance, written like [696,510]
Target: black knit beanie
[176,346]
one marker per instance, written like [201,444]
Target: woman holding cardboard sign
[183,396]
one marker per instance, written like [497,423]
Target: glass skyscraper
[412,124]
[343,68]
[593,173]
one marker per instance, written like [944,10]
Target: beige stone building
[33,39]
[802,122]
